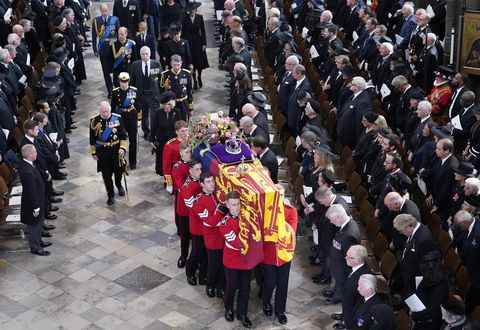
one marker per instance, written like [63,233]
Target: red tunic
[440,98]
[205,206]
[179,174]
[202,206]
[232,257]
[186,195]
[269,251]
[171,155]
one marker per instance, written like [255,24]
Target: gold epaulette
[188,71]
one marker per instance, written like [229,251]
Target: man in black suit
[441,179]
[128,13]
[396,204]
[251,130]
[467,118]
[144,75]
[419,241]
[33,200]
[144,38]
[458,82]
[349,118]
[347,235]
[382,74]
[301,85]
[470,252]
[417,139]
[274,43]
[287,84]
[356,259]
[266,155]
[367,288]
[402,108]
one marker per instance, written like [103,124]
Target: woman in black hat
[171,13]
[178,46]
[193,30]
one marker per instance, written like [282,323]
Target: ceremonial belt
[182,99]
[107,144]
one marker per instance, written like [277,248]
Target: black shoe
[282,318]
[68,130]
[325,281]
[73,127]
[229,315]
[202,281]
[50,216]
[53,209]
[267,310]
[55,200]
[192,280]
[146,136]
[62,176]
[181,262]
[45,244]
[339,326]
[328,293]
[121,191]
[41,253]
[219,293]
[133,166]
[61,166]
[46,234]
[210,292]
[57,193]
[200,82]
[110,201]
[337,316]
[48,227]
[195,86]
[245,321]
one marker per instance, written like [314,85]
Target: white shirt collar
[425,119]
[470,228]
[467,108]
[414,230]
[28,161]
[370,296]
[346,223]
[446,158]
[29,138]
[356,94]
[299,82]
[354,269]
[263,153]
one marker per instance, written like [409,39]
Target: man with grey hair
[239,52]
[419,242]
[417,138]
[259,118]
[356,259]
[32,210]
[403,109]
[274,43]
[250,129]
[409,24]
[467,244]
[366,313]
[287,83]
[347,235]
[301,85]
[349,117]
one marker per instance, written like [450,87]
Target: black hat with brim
[258,99]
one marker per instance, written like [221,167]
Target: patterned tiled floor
[115,267]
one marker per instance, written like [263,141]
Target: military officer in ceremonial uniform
[128,12]
[104,32]
[123,50]
[179,81]
[171,152]
[108,143]
[123,103]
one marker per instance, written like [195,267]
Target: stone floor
[115,267]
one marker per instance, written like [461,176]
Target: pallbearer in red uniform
[276,272]
[237,272]
[171,152]
[180,168]
[203,203]
[185,197]
[213,239]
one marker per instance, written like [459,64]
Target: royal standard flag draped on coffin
[262,216]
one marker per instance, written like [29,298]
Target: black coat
[163,126]
[442,181]
[351,297]
[129,16]
[33,193]
[137,77]
[269,160]
[273,46]
[148,40]
[415,248]
[432,296]
[386,223]
[363,313]
[285,89]
[293,113]
[349,119]
[455,107]
[470,253]
[402,109]
[194,33]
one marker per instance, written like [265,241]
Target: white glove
[36,212]
[170,189]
